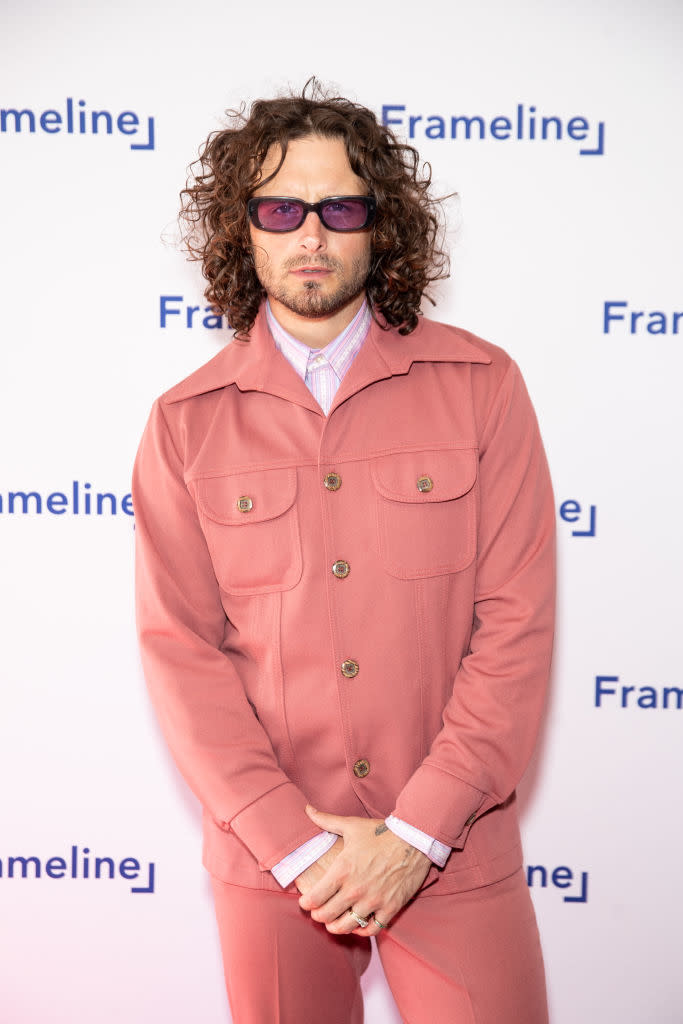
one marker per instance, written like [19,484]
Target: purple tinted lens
[275,215]
[345,215]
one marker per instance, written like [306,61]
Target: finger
[333,908]
[329,822]
[374,927]
[347,923]
[319,894]
[380,922]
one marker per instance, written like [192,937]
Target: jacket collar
[257,365]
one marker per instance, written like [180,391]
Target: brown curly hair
[406,239]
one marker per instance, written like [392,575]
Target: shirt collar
[248,362]
[339,353]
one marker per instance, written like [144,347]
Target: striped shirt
[322,369]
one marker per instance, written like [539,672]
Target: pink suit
[430,568]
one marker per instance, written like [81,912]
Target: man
[345,536]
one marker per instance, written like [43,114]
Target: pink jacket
[354,611]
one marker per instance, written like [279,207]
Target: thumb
[329,822]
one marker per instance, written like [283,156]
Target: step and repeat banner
[559,131]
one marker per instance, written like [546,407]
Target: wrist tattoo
[381,828]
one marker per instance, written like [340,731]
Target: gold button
[471,820]
[332,481]
[361,768]
[425,483]
[349,668]
[245,504]
[341,569]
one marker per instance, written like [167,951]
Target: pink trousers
[467,958]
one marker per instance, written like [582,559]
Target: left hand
[376,873]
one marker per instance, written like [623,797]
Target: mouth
[314,270]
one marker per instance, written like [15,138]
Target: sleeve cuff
[291,866]
[274,825]
[445,806]
[437,852]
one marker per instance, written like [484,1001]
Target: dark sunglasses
[338,213]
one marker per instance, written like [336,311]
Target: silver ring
[379,924]
[360,920]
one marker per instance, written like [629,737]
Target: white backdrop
[543,235]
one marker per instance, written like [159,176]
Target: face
[312,272]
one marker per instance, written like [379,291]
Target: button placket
[349,667]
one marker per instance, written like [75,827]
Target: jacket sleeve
[208,722]
[492,718]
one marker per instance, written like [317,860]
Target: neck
[316,332]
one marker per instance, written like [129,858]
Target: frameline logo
[75,118]
[619,318]
[79,865]
[525,124]
[78,499]
[172,306]
[572,884]
[610,692]
[583,518]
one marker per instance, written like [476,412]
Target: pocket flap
[244,498]
[426,476]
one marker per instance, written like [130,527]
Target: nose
[313,233]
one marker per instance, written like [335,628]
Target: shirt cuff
[286,870]
[437,852]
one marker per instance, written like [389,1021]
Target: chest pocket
[251,527]
[426,511]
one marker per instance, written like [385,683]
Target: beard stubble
[312,301]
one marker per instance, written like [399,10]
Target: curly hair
[406,236]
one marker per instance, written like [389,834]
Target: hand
[375,873]
[307,879]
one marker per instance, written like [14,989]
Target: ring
[379,924]
[360,920]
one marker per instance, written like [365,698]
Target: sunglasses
[338,213]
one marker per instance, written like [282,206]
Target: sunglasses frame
[318,208]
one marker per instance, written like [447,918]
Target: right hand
[308,878]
